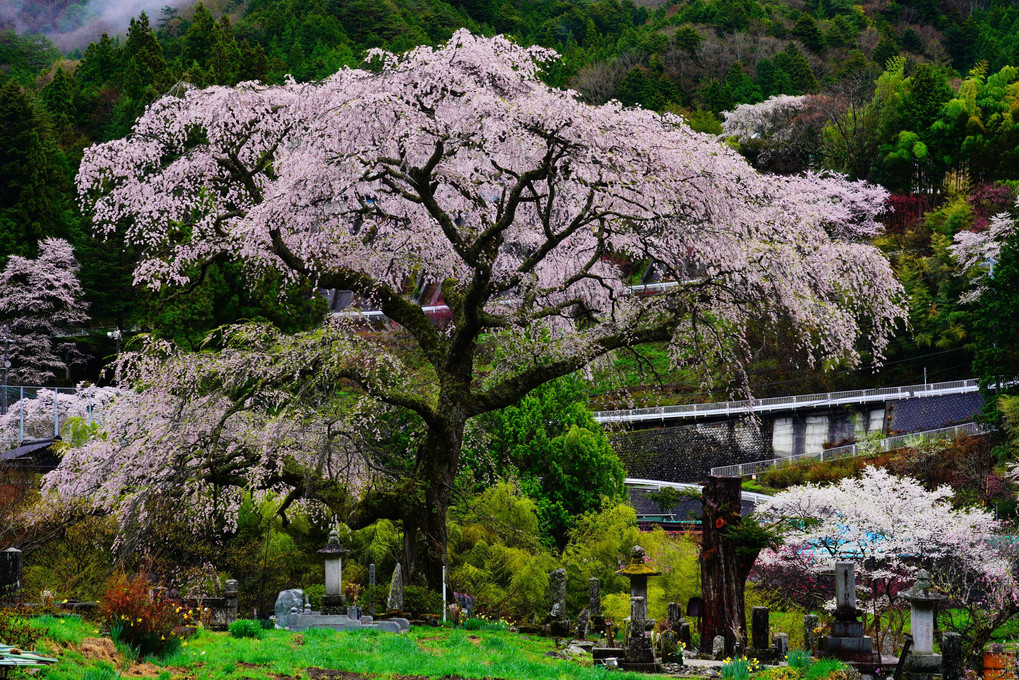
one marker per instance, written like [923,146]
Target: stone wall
[687,453]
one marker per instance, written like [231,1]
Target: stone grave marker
[286,602]
[395,601]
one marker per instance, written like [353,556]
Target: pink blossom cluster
[458,165]
[216,427]
[891,527]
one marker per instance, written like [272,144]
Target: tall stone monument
[594,605]
[333,601]
[395,602]
[847,641]
[10,574]
[558,622]
[371,589]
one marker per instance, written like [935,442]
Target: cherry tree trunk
[425,532]
[723,571]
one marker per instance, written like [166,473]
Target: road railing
[786,403]
[865,448]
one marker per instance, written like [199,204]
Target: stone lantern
[638,653]
[333,602]
[922,604]
[638,570]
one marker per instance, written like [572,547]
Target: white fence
[848,451]
[746,407]
[13,397]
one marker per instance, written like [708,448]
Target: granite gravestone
[286,601]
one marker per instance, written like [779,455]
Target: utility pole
[6,366]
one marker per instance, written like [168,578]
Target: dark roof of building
[32,451]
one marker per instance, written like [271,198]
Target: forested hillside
[919,96]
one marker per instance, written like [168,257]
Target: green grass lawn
[279,655]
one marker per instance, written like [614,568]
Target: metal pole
[21,410]
[6,365]
[444,593]
[56,414]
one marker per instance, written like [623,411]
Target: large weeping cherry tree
[457,166]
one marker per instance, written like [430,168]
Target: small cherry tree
[35,416]
[40,301]
[891,527]
[457,166]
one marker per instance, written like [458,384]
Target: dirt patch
[245,664]
[144,670]
[99,649]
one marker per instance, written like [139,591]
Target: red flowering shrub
[147,624]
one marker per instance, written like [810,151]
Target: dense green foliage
[552,445]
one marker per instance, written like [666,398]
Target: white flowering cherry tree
[40,300]
[458,166]
[891,527]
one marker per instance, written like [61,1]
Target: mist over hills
[71,24]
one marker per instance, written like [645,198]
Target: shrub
[246,628]
[798,658]
[780,673]
[845,673]
[146,625]
[17,632]
[418,600]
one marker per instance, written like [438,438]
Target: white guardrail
[655,485]
[747,406]
[848,451]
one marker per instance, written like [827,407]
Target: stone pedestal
[334,605]
[639,654]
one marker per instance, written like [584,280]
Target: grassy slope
[429,652]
